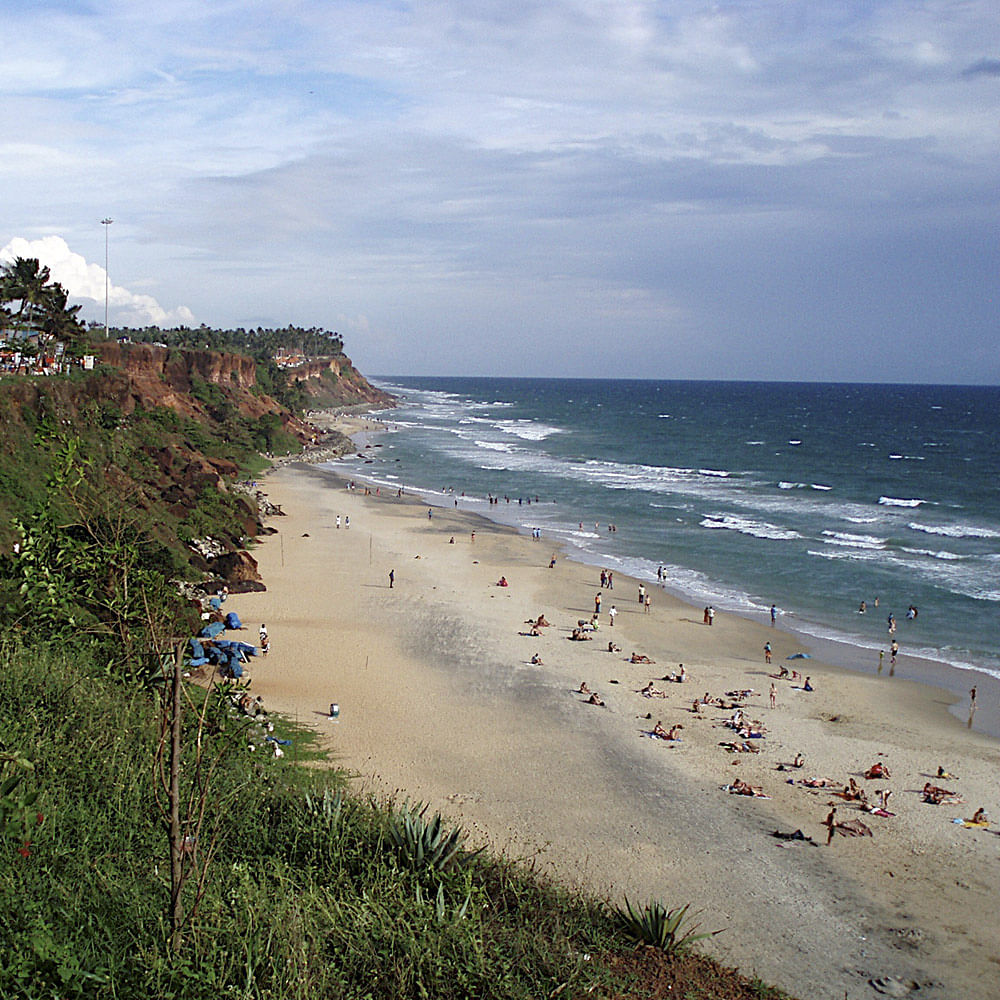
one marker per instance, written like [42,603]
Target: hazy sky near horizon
[771,189]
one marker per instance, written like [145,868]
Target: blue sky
[804,189]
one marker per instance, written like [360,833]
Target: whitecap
[854,541]
[496,446]
[791,486]
[795,442]
[896,502]
[955,530]
[747,526]
[820,486]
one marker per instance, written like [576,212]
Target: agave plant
[424,843]
[655,925]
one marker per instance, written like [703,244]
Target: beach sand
[439,703]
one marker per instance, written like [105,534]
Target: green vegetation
[263,344]
[655,925]
[153,842]
[41,305]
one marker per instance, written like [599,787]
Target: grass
[307,897]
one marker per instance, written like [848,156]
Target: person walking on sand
[893,650]
[767,654]
[647,604]
[392,578]
[774,695]
[831,825]
[338,521]
[774,615]
[611,580]
[611,615]
[642,593]
[597,604]
[711,615]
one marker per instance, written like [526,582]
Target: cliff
[179,432]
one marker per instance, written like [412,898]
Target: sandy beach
[439,701]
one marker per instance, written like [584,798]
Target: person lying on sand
[651,692]
[666,734]
[743,747]
[578,636]
[532,631]
[819,783]
[877,770]
[640,658]
[741,787]
[595,699]
[782,672]
[936,795]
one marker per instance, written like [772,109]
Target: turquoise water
[811,497]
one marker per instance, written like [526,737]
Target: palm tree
[24,280]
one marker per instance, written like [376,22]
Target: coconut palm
[25,281]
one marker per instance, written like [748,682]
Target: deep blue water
[813,497]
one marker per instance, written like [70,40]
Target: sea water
[811,497]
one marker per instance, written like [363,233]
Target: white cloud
[83,280]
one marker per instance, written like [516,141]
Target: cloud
[87,281]
[983,67]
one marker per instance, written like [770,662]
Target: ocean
[811,497]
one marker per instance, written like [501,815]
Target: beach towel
[969,825]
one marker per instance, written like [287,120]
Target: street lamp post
[106,223]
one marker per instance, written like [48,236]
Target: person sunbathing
[819,783]
[979,817]
[782,672]
[741,787]
[935,795]
[877,770]
[532,632]
[852,792]
[942,773]
[614,648]
[583,689]
[502,582]
[640,658]
[578,636]
[651,692]
[595,699]
[536,660]
[799,760]
[666,734]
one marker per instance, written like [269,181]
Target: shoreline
[438,702]
[841,651]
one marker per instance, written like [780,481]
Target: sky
[790,190]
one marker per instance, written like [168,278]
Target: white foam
[496,446]
[854,541]
[896,502]
[747,526]
[955,530]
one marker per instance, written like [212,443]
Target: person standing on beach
[711,615]
[893,650]
[773,695]
[611,580]
[646,604]
[604,579]
[392,578]
[338,521]
[597,604]
[642,593]
[774,615]
[767,654]
[611,615]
